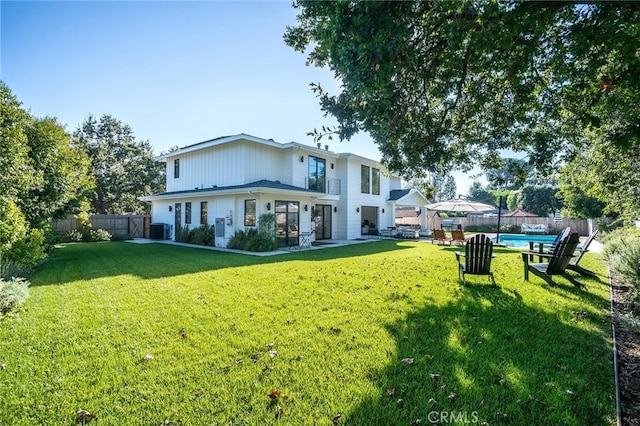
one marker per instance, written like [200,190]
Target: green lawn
[326,329]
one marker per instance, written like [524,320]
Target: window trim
[204,213]
[246,216]
[363,182]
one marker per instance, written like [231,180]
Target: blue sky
[177,72]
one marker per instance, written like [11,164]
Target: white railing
[333,186]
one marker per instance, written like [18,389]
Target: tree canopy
[123,168]
[441,84]
[42,176]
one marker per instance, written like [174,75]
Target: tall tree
[451,83]
[539,199]
[123,168]
[41,176]
[62,173]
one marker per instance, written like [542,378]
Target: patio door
[287,222]
[322,220]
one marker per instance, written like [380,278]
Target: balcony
[332,187]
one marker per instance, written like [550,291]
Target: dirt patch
[628,345]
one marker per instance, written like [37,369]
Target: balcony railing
[332,186]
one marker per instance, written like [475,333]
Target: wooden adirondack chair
[573,265]
[558,260]
[440,237]
[477,258]
[457,237]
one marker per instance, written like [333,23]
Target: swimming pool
[522,241]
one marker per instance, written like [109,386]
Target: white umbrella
[460,205]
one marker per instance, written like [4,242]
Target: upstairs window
[176,168]
[365,183]
[317,173]
[375,181]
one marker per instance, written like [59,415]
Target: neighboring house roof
[408,211]
[257,186]
[519,213]
[411,197]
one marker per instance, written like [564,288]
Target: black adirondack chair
[477,258]
[558,260]
[573,265]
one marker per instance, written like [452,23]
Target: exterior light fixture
[331,166]
[306,208]
[302,158]
[382,210]
[269,206]
[335,210]
[170,208]
[358,209]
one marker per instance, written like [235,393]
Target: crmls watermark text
[453,417]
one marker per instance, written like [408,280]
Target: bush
[203,235]
[73,236]
[13,293]
[261,239]
[12,269]
[622,250]
[28,251]
[182,234]
[99,235]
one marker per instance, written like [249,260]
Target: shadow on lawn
[488,357]
[84,261]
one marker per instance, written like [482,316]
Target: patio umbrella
[519,213]
[460,205]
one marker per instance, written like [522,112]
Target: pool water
[522,241]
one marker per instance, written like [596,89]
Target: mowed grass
[374,333]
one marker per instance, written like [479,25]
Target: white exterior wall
[226,165]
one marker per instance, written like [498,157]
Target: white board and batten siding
[225,165]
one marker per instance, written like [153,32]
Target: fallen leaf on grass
[336,418]
[274,394]
[148,357]
[3,366]
[82,415]
[391,391]
[273,354]
[434,376]
[452,396]
[407,361]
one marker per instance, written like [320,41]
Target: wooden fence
[136,226]
[581,226]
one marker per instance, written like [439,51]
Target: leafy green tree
[62,173]
[510,175]
[451,83]
[41,176]
[540,199]
[607,174]
[478,193]
[123,168]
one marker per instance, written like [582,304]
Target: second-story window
[365,180]
[317,173]
[375,181]
[176,168]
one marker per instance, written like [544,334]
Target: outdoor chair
[457,237]
[477,258]
[573,265]
[558,260]
[440,237]
[561,235]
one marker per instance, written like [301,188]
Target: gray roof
[264,183]
[396,194]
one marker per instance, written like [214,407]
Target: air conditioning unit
[159,231]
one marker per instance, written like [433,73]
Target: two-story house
[230,181]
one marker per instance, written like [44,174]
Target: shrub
[13,293]
[182,234]
[203,235]
[99,235]
[240,239]
[622,250]
[261,239]
[10,269]
[28,251]
[74,236]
